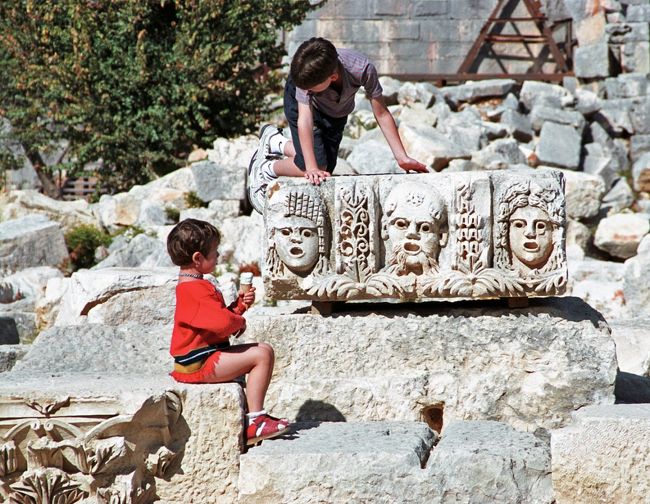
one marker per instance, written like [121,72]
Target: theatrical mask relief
[469,235]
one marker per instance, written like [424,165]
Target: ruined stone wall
[408,37]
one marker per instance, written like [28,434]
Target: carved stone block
[438,235]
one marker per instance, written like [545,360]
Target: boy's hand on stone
[410,164]
[316,176]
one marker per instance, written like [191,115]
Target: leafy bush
[137,84]
[82,241]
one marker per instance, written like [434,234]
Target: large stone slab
[529,368]
[387,462]
[461,234]
[91,412]
[31,241]
[604,456]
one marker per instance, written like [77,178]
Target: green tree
[136,84]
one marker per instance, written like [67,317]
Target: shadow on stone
[8,331]
[631,388]
[569,308]
[312,410]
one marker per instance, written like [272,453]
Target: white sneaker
[267,132]
[256,183]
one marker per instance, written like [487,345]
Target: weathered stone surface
[19,204]
[559,145]
[600,284]
[600,160]
[490,462]
[105,294]
[28,283]
[474,91]
[604,456]
[619,235]
[591,61]
[518,125]
[143,251]
[31,241]
[584,193]
[554,357]
[627,85]
[340,462]
[218,181]
[430,146]
[535,92]
[373,157]
[499,155]
[636,287]
[242,239]
[632,337]
[618,198]
[10,354]
[641,173]
[416,236]
[106,385]
[542,113]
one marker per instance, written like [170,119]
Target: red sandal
[265,427]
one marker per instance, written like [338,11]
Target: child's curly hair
[189,236]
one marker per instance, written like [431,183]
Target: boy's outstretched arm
[389,129]
[306,135]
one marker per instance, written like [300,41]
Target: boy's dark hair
[314,61]
[189,236]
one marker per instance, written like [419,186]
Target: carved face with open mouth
[414,240]
[531,236]
[296,242]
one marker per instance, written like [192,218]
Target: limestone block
[430,146]
[600,284]
[600,160]
[10,354]
[620,197]
[373,157]
[559,145]
[635,57]
[536,92]
[218,181]
[632,337]
[577,234]
[587,102]
[390,88]
[638,13]
[619,235]
[628,85]
[591,29]
[119,210]
[518,125]
[18,322]
[554,357]
[363,238]
[584,193]
[417,113]
[18,204]
[618,115]
[340,462]
[491,462]
[639,145]
[591,61]
[635,284]
[31,241]
[477,90]
[242,239]
[541,113]
[641,173]
[28,283]
[142,251]
[105,294]
[500,155]
[604,456]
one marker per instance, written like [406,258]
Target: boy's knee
[267,350]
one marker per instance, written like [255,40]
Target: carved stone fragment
[438,235]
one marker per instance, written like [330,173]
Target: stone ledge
[529,368]
[390,462]
[604,456]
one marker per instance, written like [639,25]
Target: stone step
[604,456]
[396,462]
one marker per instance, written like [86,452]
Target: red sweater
[202,318]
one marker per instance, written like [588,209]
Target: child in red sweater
[203,325]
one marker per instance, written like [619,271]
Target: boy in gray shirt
[318,97]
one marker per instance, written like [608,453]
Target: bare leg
[256,359]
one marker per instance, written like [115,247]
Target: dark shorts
[328,131]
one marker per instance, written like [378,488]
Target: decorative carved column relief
[64,459]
